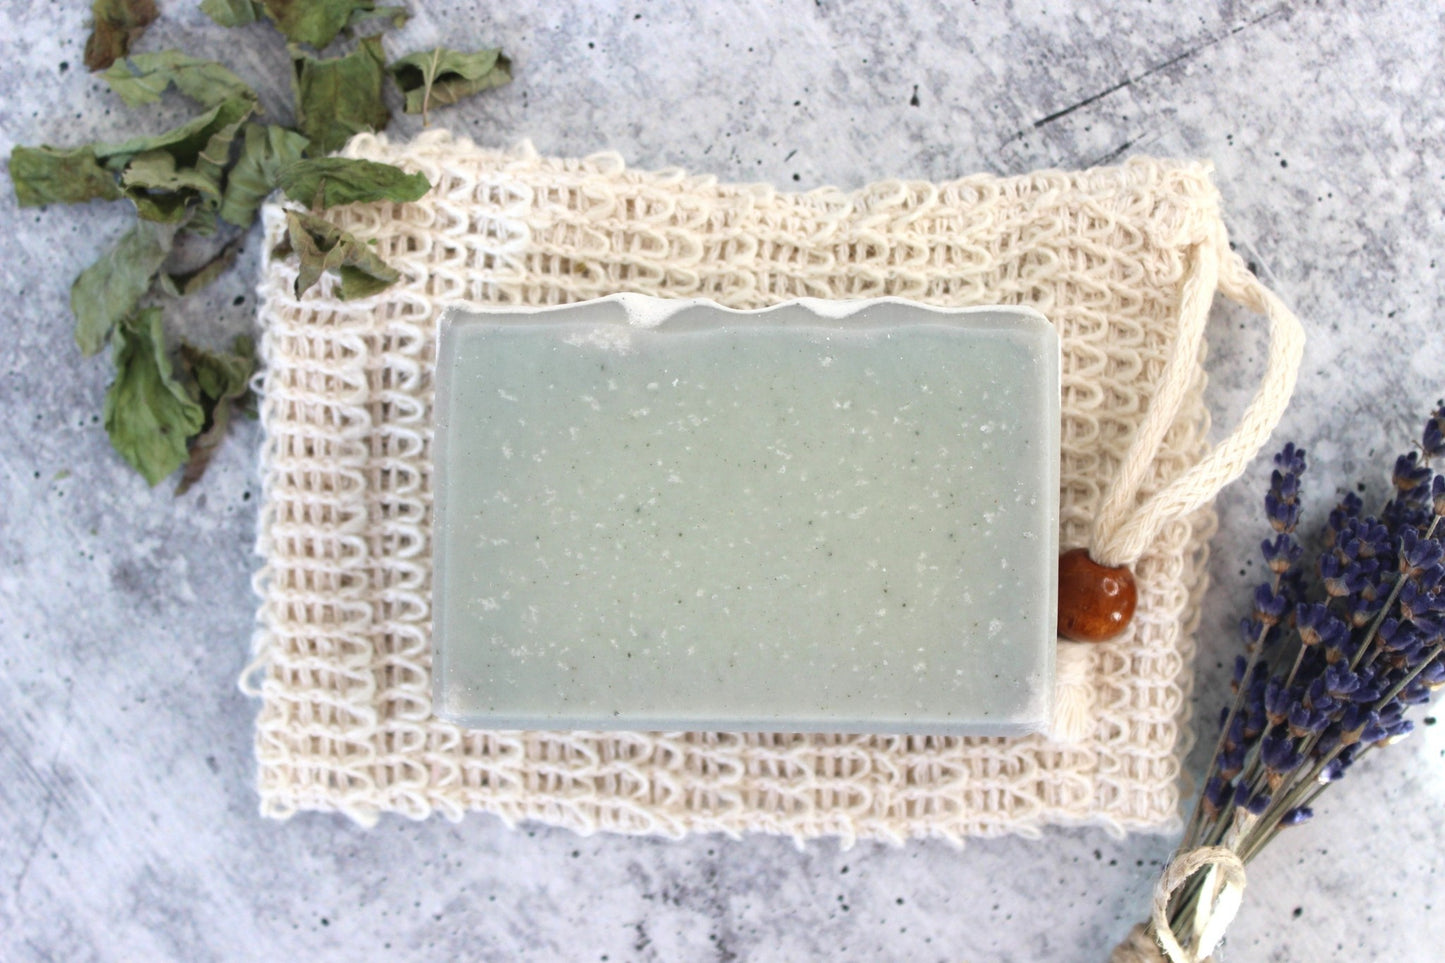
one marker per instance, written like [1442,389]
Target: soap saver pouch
[1125,260]
[1126,522]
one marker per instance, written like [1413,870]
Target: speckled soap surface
[817,517]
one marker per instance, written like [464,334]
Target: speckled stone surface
[128,826]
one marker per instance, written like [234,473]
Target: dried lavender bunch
[1338,646]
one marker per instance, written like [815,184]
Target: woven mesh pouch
[342,651]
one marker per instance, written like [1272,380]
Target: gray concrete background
[128,826]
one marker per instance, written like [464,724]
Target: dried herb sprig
[209,175]
[1339,644]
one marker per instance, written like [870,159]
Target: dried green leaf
[397,15]
[203,221]
[116,24]
[164,173]
[51,175]
[161,192]
[266,149]
[109,289]
[434,78]
[148,413]
[322,247]
[216,155]
[203,142]
[317,22]
[331,181]
[218,382]
[314,22]
[143,78]
[339,97]
[189,282]
[233,13]
[221,376]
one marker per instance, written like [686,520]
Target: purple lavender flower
[1216,793]
[1269,605]
[1318,697]
[1363,618]
[1341,576]
[1341,685]
[1230,762]
[1417,602]
[1362,610]
[1305,720]
[1290,460]
[1297,815]
[1367,538]
[1396,731]
[1410,473]
[1432,632]
[1334,770]
[1360,723]
[1416,693]
[1432,440]
[1372,685]
[1236,679]
[1349,508]
[1255,720]
[1418,553]
[1279,752]
[1280,552]
[1316,624]
[1253,802]
[1281,504]
[1277,701]
[1283,515]
[1340,649]
[1401,642]
[1286,484]
[1374,730]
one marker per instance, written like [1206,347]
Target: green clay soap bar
[817,517]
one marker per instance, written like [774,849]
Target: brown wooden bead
[1095,602]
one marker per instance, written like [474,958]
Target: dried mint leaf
[220,376]
[339,97]
[51,175]
[266,149]
[143,78]
[116,24]
[331,181]
[435,78]
[201,142]
[148,413]
[203,221]
[322,247]
[179,166]
[109,289]
[233,13]
[317,22]
[397,15]
[216,155]
[163,192]
[218,382]
[189,282]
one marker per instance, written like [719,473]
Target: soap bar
[817,517]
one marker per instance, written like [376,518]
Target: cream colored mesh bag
[1124,260]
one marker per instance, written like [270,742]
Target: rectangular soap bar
[823,516]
